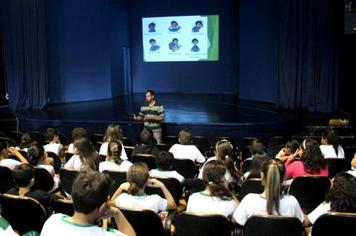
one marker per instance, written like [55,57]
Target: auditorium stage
[205,115]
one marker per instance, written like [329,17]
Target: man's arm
[159,118]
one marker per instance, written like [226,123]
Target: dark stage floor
[207,115]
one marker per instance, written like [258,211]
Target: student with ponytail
[330,145]
[216,194]
[132,193]
[272,201]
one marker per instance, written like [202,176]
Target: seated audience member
[54,144]
[308,160]
[216,198]
[24,178]
[90,203]
[113,162]
[164,162]
[76,134]
[272,201]
[340,198]
[256,166]
[26,140]
[330,145]
[38,157]
[85,156]
[145,146]
[185,149]
[256,147]
[132,193]
[6,152]
[287,151]
[6,229]
[113,132]
[353,166]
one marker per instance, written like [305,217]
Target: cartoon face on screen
[154,46]
[195,47]
[152,27]
[174,45]
[198,25]
[174,27]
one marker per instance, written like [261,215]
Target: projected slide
[180,38]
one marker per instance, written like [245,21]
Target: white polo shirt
[190,152]
[150,202]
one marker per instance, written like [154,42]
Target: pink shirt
[296,168]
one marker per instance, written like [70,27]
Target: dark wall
[259,30]
[84,53]
[187,77]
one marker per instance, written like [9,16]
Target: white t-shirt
[150,202]
[352,172]
[53,147]
[104,150]
[329,151]
[74,163]
[59,225]
[49,168]
[254,204]
[323,208]
[70,148]
[203,203]
[9,163]
[5,228]
[228,176]
[190,152]
[158,173]
[112,166]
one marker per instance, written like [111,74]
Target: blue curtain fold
[25,53]
[310,35]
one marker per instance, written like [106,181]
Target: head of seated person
[4,153]
[137,176]
[146,137]
[114,152]
[214,178]
[26,140]
[87,153]
[185,137]
[52,135]
[258,161]
[79,132]
[37,155]
[164,160]
[113,132]
[256,146]
[24,177]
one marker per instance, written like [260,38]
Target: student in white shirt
[132,193]
[54,144]
[185,149]
[330,145]
[85,156]
[90,203]
[113,162]
[77,133]
[216,198]
[272,201]
[113,132]
[5,152]
[340,198]
[353,166]
[164,162]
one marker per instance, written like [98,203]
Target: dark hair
[174,22]
[258,161]
[145,137]
[199,22]
[164,160]
[50,134]
[79,132]
[151,24]
[87,153]
[213,175]
[23,174]
[312,157]
[116,158]
[342,195]
[185,137]
[3,145]
[175,39]
[137,176]
[113,132]
[332,138]
[152,40]
[151,92]
[224,153]
[35,153]
[273,175]
[90,190]
[293,145]
[26,140]
[195,40]
[256,147]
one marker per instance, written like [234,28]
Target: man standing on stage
[153,115]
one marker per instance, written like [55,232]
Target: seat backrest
[57,163]
[246,165]
[129,150]
[127,142]
[10,141]
[63,206]
[250,186]
[118,177]
[188,224]
[6,180]
[144,222]
[15,135]
[149,159]
[23,213]
[170,140]
[186,168]
[43,180]
[337,165]
[309,191]
[273,226]
[67,178]
[95,138]
[332,224]
[201,143]
[173,186]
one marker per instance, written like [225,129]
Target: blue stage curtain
[24,31]
[310,35]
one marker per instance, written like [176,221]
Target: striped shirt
[157,110]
